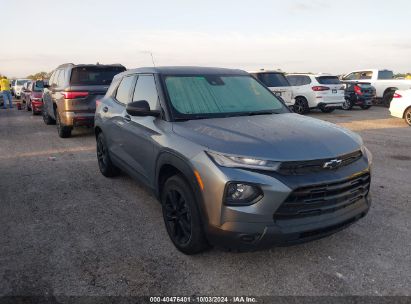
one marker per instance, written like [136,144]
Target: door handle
[127,118]
[105,109]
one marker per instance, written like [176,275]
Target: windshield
[209,96]
[328,80]
[385,75]
[21,82]
[273,79]
[94,75]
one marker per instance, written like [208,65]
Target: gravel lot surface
[67,230]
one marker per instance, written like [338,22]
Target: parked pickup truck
[382,80]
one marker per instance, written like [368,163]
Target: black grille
[311,166]
[323,198]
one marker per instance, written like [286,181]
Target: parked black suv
[358,94]
[70,97]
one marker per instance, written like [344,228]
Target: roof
[261,71]
[186,70]
[312,74]
[91,64]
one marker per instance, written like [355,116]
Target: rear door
[113,117]
[89,83]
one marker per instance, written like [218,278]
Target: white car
[18,86]
[316,91]
[382,80]
[401,105]
[276,81]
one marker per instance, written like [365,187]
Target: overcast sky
[294,35]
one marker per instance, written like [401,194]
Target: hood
[282,137]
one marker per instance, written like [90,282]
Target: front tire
[301,105]
[62,130]
[107,168]
[181,216]
[407,116]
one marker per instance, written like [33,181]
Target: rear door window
[146,90]
[328,80]
[123,94]
[94,75]
[273,79]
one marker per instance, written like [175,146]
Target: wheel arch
[406,109]
[170,163]
[389,90]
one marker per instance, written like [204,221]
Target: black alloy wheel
[347,105]
[178,216]
[107,168]
[182,217]
[301,105]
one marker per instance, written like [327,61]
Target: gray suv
[230,164]
[71,94]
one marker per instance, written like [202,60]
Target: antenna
[152,59]
[151,55]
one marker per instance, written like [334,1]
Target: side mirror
[141,108]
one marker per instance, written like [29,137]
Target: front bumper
[330,104]
[253,236]
[258,225]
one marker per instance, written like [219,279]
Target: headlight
[244,162]
[241,194]
[367,153]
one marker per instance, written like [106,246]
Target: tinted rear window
[94,75]
[385,75]
[21,82]
[273,79]
[328,80]
[38,86]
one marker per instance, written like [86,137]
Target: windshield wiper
[261,113]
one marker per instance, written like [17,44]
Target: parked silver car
[231,165]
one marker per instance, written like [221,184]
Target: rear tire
[62,130]
[301,105]
[347,105]
[28,108]
[407,116]
[107,168]
[365,107]
[182,217]
[46,117]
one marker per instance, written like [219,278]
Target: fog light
[240,194]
